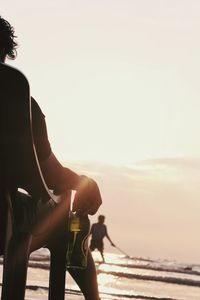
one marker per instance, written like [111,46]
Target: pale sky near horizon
[118,81]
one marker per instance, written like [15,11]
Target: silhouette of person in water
[98,232]
[58,178]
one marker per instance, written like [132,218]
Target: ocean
[122,278]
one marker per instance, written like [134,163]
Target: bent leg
[87,279]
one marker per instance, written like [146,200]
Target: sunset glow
[118,82]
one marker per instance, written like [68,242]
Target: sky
[118,82]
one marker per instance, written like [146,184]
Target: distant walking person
[98,232]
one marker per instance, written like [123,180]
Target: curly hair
[7,43]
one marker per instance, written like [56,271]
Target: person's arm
[59,179]
[112,244]
[87,199]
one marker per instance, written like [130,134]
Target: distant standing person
[98,232]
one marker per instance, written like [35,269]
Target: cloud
[166,169]
[157,198]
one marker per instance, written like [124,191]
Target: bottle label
[77,250]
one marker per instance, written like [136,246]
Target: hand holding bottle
[88,198]
[77,236]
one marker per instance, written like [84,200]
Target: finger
[92,212]
[87,209]
[93,209]
[79,201]
[82,201]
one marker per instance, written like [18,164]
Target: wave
[42,262]
[166,279]
[183,281]
[154,265]
[103,295]
[182,270]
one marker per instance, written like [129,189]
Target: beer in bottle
[77,235]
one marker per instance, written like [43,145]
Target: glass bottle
[77,235]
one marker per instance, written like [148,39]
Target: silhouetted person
[98,232]
[58,178]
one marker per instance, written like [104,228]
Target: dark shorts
[96,244]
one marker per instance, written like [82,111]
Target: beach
[122,278]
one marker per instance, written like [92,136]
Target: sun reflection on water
[109,257]
[108,283]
